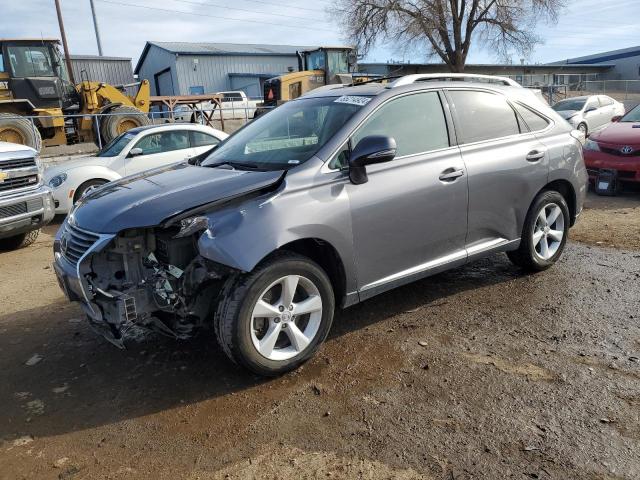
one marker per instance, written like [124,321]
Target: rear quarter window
[532,120]
[483,116]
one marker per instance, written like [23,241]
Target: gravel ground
[481,372]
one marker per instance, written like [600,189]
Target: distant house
[182,68]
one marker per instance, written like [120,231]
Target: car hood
[619,133]
[567,114]
[149,198]
[90,161]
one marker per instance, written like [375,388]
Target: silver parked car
[589,113]
[326,201]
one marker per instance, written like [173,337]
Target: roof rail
[426,77]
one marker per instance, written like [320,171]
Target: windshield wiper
[246,166]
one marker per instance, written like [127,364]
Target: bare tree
[447,28]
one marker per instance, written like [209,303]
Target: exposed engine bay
[156,279]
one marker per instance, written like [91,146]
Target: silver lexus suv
[326,201]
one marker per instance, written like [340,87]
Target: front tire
[86,186]
[15,129]
[274,318]
[120,120]
[545,232]
[19,241]
[584,129]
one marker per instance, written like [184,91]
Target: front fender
[241,236]
[79,175]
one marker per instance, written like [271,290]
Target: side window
[164,142]
[416,122]
[532,120]
[200,139]
[149,144]
[592,103]
[483,116]
[340,159]
[606,101]
[1,63]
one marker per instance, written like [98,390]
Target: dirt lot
[482,372]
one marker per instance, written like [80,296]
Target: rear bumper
[628,168]
[24,212]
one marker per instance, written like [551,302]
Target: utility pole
[67,57]
[95,27]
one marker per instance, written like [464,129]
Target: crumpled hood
[567,114]
[619,133]
[150,197]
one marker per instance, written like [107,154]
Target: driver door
[411,216]
[159,149]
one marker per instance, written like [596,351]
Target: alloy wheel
[286,318]
[549,231]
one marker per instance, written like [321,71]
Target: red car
[617,148]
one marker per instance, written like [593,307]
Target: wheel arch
[327,257]
[564,188]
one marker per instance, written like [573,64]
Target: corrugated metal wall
[114,71]
[156,61]
[212,72]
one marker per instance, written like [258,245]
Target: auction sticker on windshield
[353,100]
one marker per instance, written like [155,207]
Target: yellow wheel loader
[317,68]
[34,83]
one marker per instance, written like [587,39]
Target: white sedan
[134,151]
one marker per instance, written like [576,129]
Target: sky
[584,26]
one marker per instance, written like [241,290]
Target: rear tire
[14,129]
[545,233]
[244,334]
[19,241]
[121,119]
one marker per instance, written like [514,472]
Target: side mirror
[590,109]
[617,118]
[135,152]
[370,150]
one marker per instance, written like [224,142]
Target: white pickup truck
[235,106]
[26,203]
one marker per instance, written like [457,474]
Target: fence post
[97,122]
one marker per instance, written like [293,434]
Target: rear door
[159,149]
[411,216]
[506,163]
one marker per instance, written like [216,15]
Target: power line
[167,10]
[284,5]
[209,4]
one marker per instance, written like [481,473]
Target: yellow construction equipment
[319,67]
[35,83]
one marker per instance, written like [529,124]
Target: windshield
[115,146]
[30,61]
[572,104]
[632,116]
[289,135]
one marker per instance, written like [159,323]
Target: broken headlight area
[153,278]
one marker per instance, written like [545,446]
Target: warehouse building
[111,70]
[625,63]
[182,68]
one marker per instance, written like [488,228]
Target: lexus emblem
[626,150]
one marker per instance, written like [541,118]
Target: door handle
[534,155]
[450,174]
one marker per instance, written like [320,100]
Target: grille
[75,242]
[13,210]
[21,163]
[21,182]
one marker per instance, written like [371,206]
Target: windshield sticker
[353,100]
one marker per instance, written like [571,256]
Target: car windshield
[572,104]
[632,116]
[288,136]
[115,146]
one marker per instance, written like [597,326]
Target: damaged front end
[150,277]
